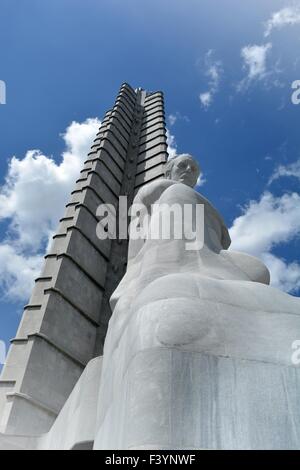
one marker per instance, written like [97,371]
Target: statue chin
[198,350]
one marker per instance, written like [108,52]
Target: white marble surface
[198,351]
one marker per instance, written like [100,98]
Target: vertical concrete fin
[65,321]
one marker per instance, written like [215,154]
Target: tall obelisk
[65,321]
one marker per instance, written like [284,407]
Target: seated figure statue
[198,353]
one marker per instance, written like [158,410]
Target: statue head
[183,168]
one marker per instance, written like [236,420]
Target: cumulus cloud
[172,146]
[265,224]
[287,16]
[32,200]
[293,169]
[285,276]
[213,71]
[18,271]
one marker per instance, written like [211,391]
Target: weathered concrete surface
[64,324]
[8,442]
[75,425]
[76,422]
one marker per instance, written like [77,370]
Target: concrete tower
[64,324]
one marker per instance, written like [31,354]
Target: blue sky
[226,69]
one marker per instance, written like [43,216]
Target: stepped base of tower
[75,426]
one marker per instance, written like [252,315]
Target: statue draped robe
[198,350]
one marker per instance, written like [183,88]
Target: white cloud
[200,181]
[32,200]
[173,118]
[264,225]
[172,146]
[255,63]
[255,60]
[18,271]
[285,276]
[285,17]
[214,71]
[206,99]
[292,169]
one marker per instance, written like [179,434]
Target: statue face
[185,170]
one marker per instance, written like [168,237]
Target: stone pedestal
[205,366]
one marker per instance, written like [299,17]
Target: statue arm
[146,196]
[151,192]
[225,239]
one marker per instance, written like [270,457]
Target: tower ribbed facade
[65,322]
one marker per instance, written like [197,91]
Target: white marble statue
[199,346]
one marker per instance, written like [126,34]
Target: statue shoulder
[152,191]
